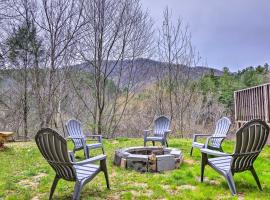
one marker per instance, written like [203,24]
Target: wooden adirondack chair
[160,132]
[53,147]
[250,140]
[75,132]
[213,141]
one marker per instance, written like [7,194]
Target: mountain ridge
[147,70]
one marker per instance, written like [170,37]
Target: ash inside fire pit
[148,159]
[147,151]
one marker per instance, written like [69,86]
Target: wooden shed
[252,103]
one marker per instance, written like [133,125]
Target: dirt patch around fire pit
[33,182]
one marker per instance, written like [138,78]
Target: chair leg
[220,149]
[55,181]
[204,162]
[72,157]
[256,178]
[77,190]
[103,166]
[166,143]
[103,150]
[163,143]
[144,143]
[231,184]
[153,142]
[191,150]
[87,152]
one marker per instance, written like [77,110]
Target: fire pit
[148,159]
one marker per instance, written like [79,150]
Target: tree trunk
[25,103]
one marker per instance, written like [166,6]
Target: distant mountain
[146,70]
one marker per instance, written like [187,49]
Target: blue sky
[227,33]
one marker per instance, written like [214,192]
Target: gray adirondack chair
[213,141]
[75,132]
[160,132]
[53,147]
[250,140]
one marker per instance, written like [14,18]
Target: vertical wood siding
[252,103]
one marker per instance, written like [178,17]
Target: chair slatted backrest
[74,129]
[250,140]
[53,147]
[162,124]
[222,128]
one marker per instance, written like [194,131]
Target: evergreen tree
[24,48]
[221,88]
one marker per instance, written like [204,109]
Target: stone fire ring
[148,159]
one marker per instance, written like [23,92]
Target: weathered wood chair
[160,132]
[53,147]
[250,140]
[75,132]
[213,141]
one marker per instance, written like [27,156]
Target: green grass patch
[24,174]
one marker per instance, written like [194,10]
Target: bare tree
[60,22]
[115,31]
[179,56]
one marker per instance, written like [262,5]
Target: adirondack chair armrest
[99,137]
[212,137]
[167,132]
[70,138]
[90,160]
[213,152]
[195,136]
[146,132]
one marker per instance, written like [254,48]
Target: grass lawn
[24,174]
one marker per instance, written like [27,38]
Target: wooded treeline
[63,59]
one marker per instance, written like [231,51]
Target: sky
[227,33]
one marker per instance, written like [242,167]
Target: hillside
[146,70]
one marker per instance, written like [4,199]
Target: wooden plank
[262,104]
[266,117]
[242,105]
[259,103]
[252,87]
[268,102]
[255,104]
[246,105]
[251,103]
[6,133]
[235,106]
